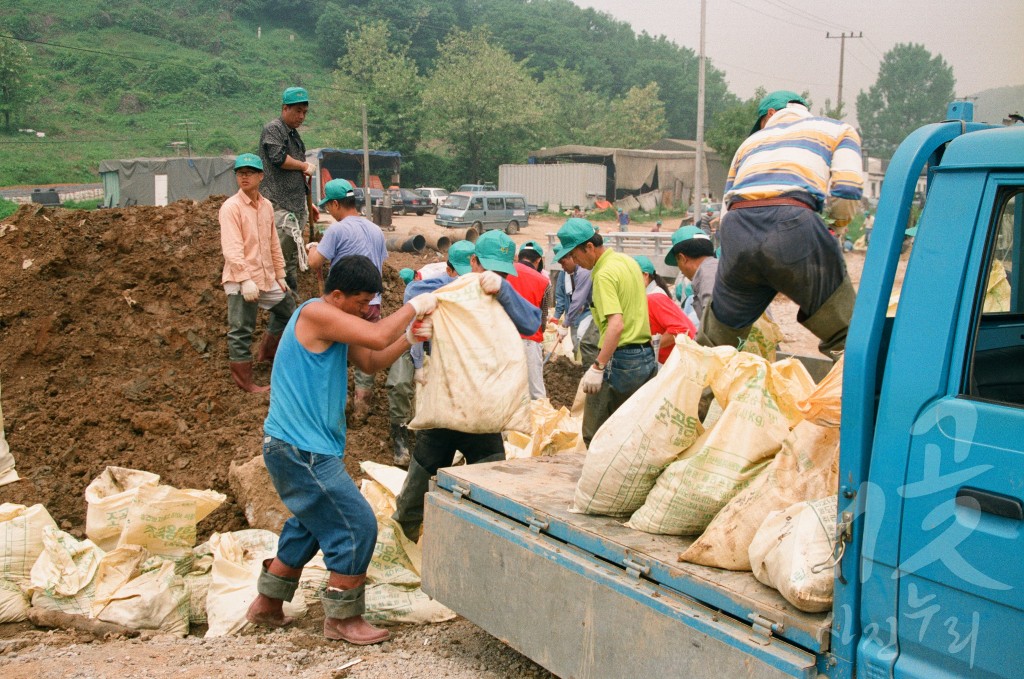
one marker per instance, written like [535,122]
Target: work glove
[308,170]
[561,331]
[420,331]
[490,282]
[419,375]
[250,292]
[592,380]
[423,304]
[283,285]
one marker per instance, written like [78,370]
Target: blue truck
[928,533]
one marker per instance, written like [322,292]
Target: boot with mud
[344,603]
[715,333]
[241,373]
[831,322]
[400,440]
[277,583]
[268,348]
[361,402]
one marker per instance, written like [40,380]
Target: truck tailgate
[530,499]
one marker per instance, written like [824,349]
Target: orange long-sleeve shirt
[249,242]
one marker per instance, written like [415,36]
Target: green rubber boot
[831,322]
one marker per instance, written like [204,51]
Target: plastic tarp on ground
[138,179]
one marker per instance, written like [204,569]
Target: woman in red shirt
[667,319]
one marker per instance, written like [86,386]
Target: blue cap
[777,100]
[336,189]
[496,251]
[532,245]
[295,95]
[573,233]
[407,275]
[458,256]
[646,265]
[248,160]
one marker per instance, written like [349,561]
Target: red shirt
[666,316]
[532,286]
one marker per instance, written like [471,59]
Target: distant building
[159,181]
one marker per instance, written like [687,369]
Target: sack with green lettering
[647,432]
[63,577]
[21,543]
[750,431]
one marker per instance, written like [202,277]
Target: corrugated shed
[557,185]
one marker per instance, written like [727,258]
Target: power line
[82,49]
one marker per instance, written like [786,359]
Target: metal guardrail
[654,245]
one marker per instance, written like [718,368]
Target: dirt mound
[112,325]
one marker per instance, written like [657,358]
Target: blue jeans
[628,370]
[329,511]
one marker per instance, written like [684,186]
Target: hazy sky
[781,44]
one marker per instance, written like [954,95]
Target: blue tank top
[307,394]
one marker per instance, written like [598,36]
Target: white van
[435,195]
[484,210]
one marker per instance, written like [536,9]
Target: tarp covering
[194,178]
[634,169]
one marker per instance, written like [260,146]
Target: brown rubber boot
[241,372]
[268,348]
[344,604]
[272,591]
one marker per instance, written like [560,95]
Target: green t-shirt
[618,288]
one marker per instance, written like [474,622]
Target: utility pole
[367,200]
[187,124]
[698,173]
[842,56]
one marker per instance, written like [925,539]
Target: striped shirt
[797,153]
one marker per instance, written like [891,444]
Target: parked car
[404,201]
[484,211]
[475,188]
[376,196]
[434,195]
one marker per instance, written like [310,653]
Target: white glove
[419,376]
[308,170]
[490,282]
[420,331]
[561,331]
[592,380]
[424,304]
[250,292]
[282,284]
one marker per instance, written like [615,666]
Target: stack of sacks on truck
[773,445]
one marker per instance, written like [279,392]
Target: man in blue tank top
[304,445]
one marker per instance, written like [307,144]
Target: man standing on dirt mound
[351,234]
[254,272]
[304,446]
[626,358]
[284,157]
[494,259]
[773,239]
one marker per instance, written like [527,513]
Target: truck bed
[531,497]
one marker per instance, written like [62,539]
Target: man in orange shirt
[532,285]
[254,271]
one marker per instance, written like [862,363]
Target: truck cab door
[960,578]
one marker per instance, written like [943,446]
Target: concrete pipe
[436,240]
[410,244]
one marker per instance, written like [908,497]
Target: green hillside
[127,79]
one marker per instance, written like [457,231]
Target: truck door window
[495,203]
[996,372]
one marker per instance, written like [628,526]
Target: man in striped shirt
[773,239]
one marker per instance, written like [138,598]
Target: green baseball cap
[646,265]
[573,233]
[248,160]
[295,95]
[336,189]
[532,245]
[776,100]
[496,252]
[683,234]
[407,275]
[458,256]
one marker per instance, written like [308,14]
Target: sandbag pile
[553,432]
[771,447]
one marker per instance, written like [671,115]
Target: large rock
[256,495]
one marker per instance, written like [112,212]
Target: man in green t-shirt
[626,359]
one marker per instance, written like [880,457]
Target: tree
[571,111]
[16,90]
[727,130]
[635,121]
[912,89]
[384,79]
[482,103]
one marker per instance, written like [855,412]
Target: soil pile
[112,330]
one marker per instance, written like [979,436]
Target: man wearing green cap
[694,254]
[493,259]
[626,358]
[773,239]
[254,272]
[532,285]
[284,184]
